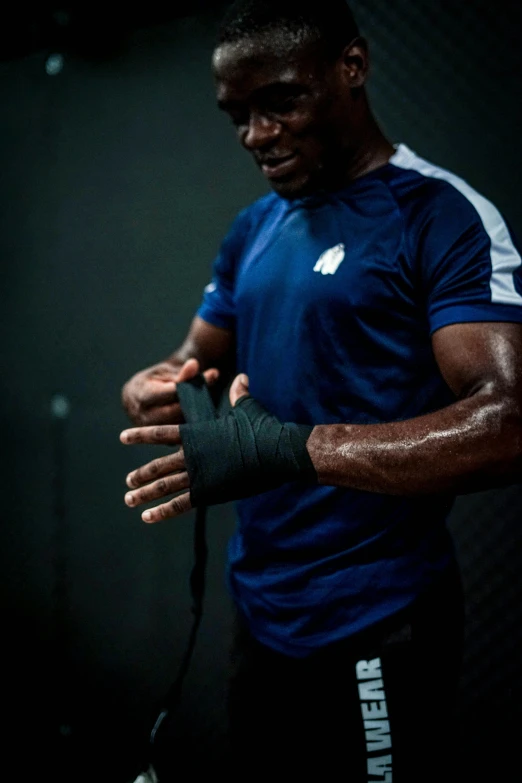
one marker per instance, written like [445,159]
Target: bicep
[483,356]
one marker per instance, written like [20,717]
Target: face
[294,113]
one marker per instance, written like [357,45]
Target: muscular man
[372,304]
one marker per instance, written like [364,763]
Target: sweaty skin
[308,126]
[293,104]
[473,444]
[470,445]
[149,397]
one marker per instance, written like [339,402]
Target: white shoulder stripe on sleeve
[504,255]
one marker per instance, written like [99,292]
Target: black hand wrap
[244,453]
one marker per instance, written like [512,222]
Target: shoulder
[465,249]
[256,213]
[426,193]
[246,225]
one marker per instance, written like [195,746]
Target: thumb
[188,370]
[238,388]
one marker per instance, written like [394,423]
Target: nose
[261,131]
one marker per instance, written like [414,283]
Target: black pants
[379,707]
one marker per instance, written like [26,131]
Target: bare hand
[149,397]
[166,475]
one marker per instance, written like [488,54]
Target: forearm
[210,345]
[471,445]
[468,446]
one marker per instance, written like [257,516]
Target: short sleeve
[471,269]
[218,304]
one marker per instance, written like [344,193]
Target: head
[291,77]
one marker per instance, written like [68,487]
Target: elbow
[512,423]
[514,428]
[507,437]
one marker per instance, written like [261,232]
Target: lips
[274,167]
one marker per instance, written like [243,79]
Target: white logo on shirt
[328,262]
[210,288]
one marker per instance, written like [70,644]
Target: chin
[295,187]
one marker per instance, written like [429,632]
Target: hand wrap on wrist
[244,453]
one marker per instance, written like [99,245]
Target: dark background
[119,179]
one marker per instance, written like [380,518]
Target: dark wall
[119,178]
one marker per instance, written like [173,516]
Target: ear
[355,63]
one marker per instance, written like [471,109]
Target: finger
[167,434]
[174,508]
[238,388]
[157,392]
[211,375]
[154,470]
[188,370]
[158,489]
[164,371]
[165,414]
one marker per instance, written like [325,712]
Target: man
[372,304]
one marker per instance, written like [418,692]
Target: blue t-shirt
[333,299]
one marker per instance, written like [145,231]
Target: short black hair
[291,22]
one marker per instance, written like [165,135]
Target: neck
[371,151]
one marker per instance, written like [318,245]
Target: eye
[283,105]
[283,99]
[239,120]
